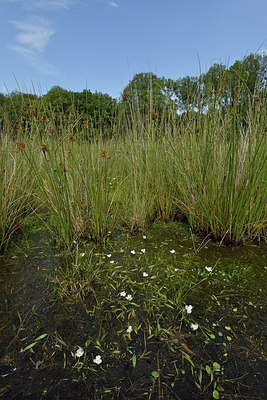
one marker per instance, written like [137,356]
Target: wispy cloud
[33,37]
[113,4]
[58,4]
[105,2]
[45,4]
[34,34]
[53,4]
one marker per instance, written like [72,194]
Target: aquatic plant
[206,166]
[16,189]
[221,175]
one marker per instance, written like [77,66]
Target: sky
[100,44]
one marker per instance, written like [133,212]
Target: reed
[208,167]
[222,175]
[77,186]
[16,189]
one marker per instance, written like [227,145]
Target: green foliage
[16,184]
[148,103]
[207,164]
[148,93]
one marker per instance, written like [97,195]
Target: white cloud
[58,4]
[43,66]
[53,4]
[36,60]
[31,41]
[45,4]
[34,34]
[105,2]
[21,50]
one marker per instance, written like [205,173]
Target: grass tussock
[16,189]
[206,167]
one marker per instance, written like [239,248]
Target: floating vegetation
[153,325]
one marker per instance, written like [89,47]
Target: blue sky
[100,44]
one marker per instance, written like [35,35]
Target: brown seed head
[20,146]
[125,96]
[85,124]
[63,166]
[154,116]
[44,148]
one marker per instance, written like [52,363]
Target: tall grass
[222,179]
[77,185]
[16,189]
[209,168]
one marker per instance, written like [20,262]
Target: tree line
[147,97]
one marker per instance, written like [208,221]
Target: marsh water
[39,333]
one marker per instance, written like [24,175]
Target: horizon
[99,45]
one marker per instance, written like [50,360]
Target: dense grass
[16,189]
[207,168]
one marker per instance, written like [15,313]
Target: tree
[187,92]
[248,75]
[149,93]
[59,99]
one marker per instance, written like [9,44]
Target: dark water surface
[30,315]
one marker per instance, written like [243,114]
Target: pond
[160,314]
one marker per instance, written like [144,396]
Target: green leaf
[41,337]
[30,346]
[212,336]
[216,394]
[216,366]
[134,360]
[155,374]
[208,369]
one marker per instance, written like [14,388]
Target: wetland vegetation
[133,240]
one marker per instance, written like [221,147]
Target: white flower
[194,326]
[82,254]
[108,255]
[123,293]
[129,329]
[133,251]
[129,297]
[79,352]
[209,269]
[112,262]
[172,251]
[144,236]
[145,274]
[188,308]
[143,251]
[97,360]
[176,269]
